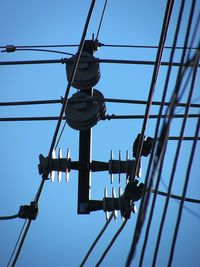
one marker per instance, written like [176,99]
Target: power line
[144,46]
[111,243]
[98,60]
[100,23]
[96,240]
[107,117]
[9,217]
[20,234]
[39,50]
[46,172]
[108,100]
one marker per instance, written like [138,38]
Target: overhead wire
[39,50]
[9,217]
[96,240]
[147,178]
[111,243]
[46,172]
[183,196]
[101,20]
[180,141]
[17,242]
[139,223]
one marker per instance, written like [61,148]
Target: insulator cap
[82,112]
[87,73]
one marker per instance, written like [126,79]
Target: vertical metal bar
[84,175]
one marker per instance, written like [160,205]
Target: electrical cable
[9,217]
[106,117]
[140,220]
[139,223]
[45,173]
[40,50]
[41,46]
[108,100]
[111,243]
[98,60]
[183,196]
[180,141]
[144,46]
[16,243]
[100,23]
[96,240]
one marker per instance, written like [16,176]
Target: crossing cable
[165,25]
[111,243]
[179,143]
[183,196]
[96,240]
[100,23]
[16,243]
[46,172]
[141,215]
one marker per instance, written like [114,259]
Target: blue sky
[60,237]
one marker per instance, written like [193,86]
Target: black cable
[108,100]
[16,243]
[144,46]
[139,224]
[96,240]
[9,217]
[40,46]
[147,178]
[183,195]
[102,60]
[46,172]
[106,117]
[175,95]
[111,243]
[40,50]
[100,23]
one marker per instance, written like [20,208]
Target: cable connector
[146,148]
[10,48]
[28,211]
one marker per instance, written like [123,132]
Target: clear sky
[60,237]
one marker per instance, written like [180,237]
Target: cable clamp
[28,211]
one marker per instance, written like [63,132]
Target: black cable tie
[10,48]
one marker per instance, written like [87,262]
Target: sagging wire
[45,173]
[111,243]
[96,240]
[11,49]
[9,217]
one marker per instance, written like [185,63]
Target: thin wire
[41,46]
[9,217]
[96,240]
[141,211]
[109,100]
[144,46]
[106,117]
[100,23]
[183,196]
[45,174]
[61,133]
[167,16]
[16,243]
[40,50]
[111,243]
